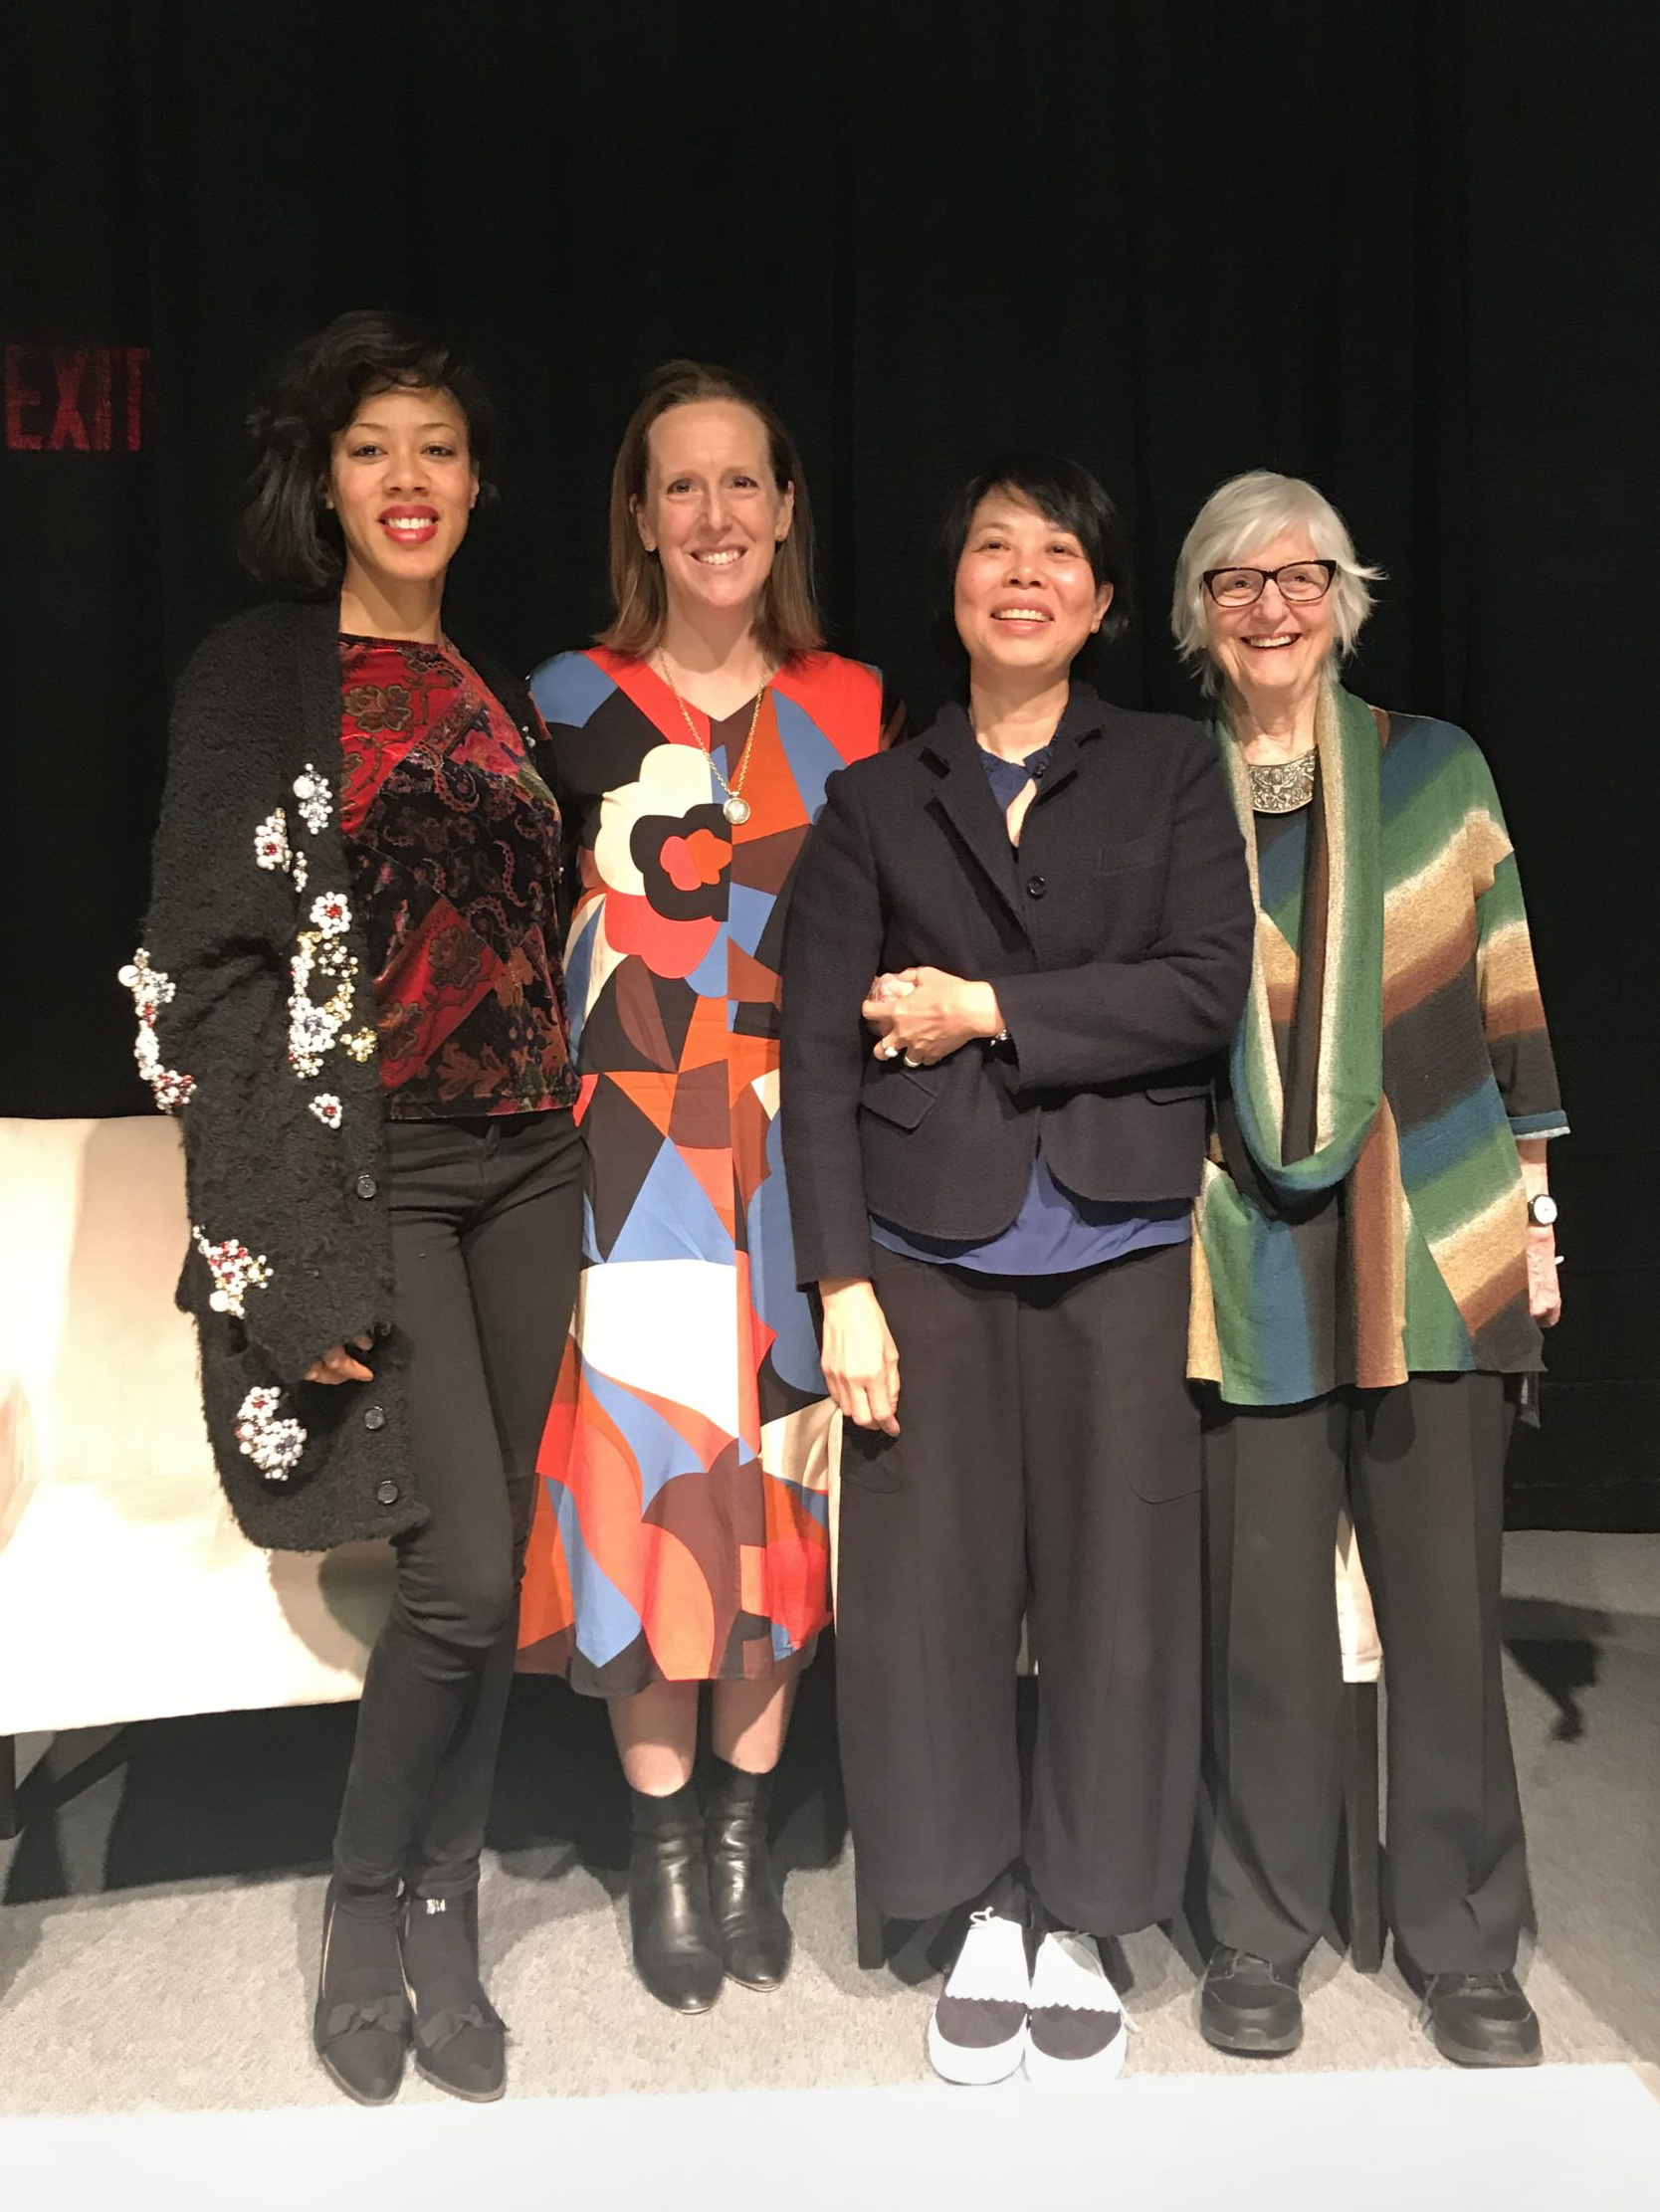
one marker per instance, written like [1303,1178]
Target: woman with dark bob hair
[351,993]
[1040,909]
[683,1533]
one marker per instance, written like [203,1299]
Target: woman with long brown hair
[682,1532]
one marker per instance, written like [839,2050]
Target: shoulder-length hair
[1243,513]
[787,620]
[288,537]
[1069,499]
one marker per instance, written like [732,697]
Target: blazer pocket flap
[896,1096]
[1129,852]
[1163,1092]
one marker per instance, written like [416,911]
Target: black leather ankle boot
[756,1941]
[677,1951]
[460,2037]
[362,2024]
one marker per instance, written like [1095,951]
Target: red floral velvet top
[454,842]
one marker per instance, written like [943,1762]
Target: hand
[860,1358]
[338,1365]
[1544,1287]
[881,996]
[935,1016]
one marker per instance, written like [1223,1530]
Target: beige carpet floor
[160,1913]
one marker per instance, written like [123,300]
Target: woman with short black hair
[992,1206]
[350,992]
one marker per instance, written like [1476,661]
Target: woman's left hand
[931,1018]
[1544,1287]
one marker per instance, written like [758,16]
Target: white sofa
[126,1591]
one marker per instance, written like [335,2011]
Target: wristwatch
[1541,1211]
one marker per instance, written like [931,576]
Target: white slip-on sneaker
[1077,2023]
[978,2029]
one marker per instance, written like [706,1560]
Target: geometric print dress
[680,1529]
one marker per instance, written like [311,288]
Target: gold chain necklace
[737,807]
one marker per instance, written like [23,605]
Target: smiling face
[713,512]
[1271,650]
[402,483]
[1025,597]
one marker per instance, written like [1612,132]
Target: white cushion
[127,1592]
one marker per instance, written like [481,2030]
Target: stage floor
[161,1914]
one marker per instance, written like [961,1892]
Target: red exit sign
[76,399]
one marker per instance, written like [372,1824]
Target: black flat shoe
[1482,2020]
[1248,2005]
[362,2023]
[460,2037]
[748,1908]
[675,1946]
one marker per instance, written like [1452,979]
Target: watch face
[1541,1212]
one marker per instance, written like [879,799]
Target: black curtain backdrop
[1405,249]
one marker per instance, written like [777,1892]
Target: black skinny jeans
[486,1231]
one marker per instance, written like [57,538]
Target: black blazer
[1117,936]
[283,1158]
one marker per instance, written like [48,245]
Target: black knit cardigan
[257,1028]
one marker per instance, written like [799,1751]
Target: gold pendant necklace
[737,807]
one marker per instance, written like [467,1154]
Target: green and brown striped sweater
[1362,1216]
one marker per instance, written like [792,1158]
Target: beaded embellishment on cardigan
[317,801]
[274,1445]
[1282,786]
[315,1026]
[235,1269]
[151,990]
[271,842]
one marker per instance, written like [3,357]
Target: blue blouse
[1055,1231]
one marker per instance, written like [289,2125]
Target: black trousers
[1423,1466]
[1048,1467]
[487,1229]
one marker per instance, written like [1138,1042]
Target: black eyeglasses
[1298,580]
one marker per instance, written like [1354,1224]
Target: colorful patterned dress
[680,1529]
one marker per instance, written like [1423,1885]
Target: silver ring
[890,1051]
[910,1063]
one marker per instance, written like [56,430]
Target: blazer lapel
[1082,721]
[966,797]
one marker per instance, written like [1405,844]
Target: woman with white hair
[1374,1265]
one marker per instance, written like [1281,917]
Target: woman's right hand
[338,1365]
[860,1358]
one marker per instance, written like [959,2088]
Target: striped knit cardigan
[1379,1095]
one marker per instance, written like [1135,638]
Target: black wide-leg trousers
[1048,1469]
[486,1229]
[1422,1466]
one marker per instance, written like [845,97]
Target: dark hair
[786,621]
[288,537]
[1064,494]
